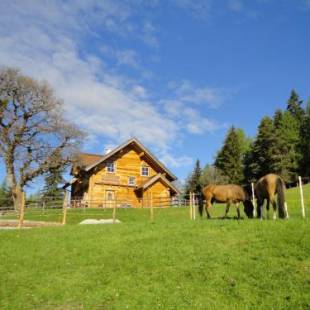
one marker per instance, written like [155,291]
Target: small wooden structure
[128,176]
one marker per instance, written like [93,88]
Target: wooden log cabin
[128,176]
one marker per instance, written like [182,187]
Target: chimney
[106,150]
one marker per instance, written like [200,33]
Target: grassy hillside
[173,263]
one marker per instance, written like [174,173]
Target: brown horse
[229,194]
[267,188]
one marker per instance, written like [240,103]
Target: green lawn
[173,263]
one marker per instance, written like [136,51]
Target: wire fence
[58,210]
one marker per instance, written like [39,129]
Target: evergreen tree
[304,167]
[260,160]
[294,106]
[244,141]
[53,179]
[193,182]
[213,175]
[230,158]
[5,197]
[286,156]
[248,160]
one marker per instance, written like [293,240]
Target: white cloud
[305,4]
[103,103]
[139,91]
[236,6]
[190,119]
[187,92]
[186,106]
[173,107]
[45,39]
[198,124]
[149,35]
[176,162]
[126,57]
[199,8]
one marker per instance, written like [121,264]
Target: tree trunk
[16,189]
[17,195]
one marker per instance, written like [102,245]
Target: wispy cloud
[189,118]
[104,103]
[236,5]
[187,92]
[176,162]
[149,34]
[200,8]
[305,4]
[126,57]
[47,41]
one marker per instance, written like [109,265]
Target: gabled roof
[156,178]
[142,147]
[84,160]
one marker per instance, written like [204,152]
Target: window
[131,181]
[145,171]
[110,167]
[109,195]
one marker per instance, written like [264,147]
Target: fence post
[151,208]
[22,210]
[84,206]
[190,206]
[64,209]
[194,206]
[253,199]
[114,210]
[301,198]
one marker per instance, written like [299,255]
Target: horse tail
[280,185]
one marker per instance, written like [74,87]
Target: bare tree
[34,136]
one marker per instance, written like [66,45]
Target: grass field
[173,263]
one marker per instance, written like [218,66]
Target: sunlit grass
[173,263]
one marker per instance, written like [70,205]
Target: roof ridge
[123,145]
[91,154]
[156,177]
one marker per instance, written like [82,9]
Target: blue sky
[175,74]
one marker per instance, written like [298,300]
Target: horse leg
[207,207]
[238,210]
[286,211]
[260,204]
[274,205]
[227,210]
[267,209]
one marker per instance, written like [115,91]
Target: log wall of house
[159,192]
[128,163]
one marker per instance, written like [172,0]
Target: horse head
[248,208]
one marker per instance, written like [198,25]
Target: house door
[110,198]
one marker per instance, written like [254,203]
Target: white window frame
[114,166]
[133,179]
[148,171]
[107,192]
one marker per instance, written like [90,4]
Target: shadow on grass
[222,218]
